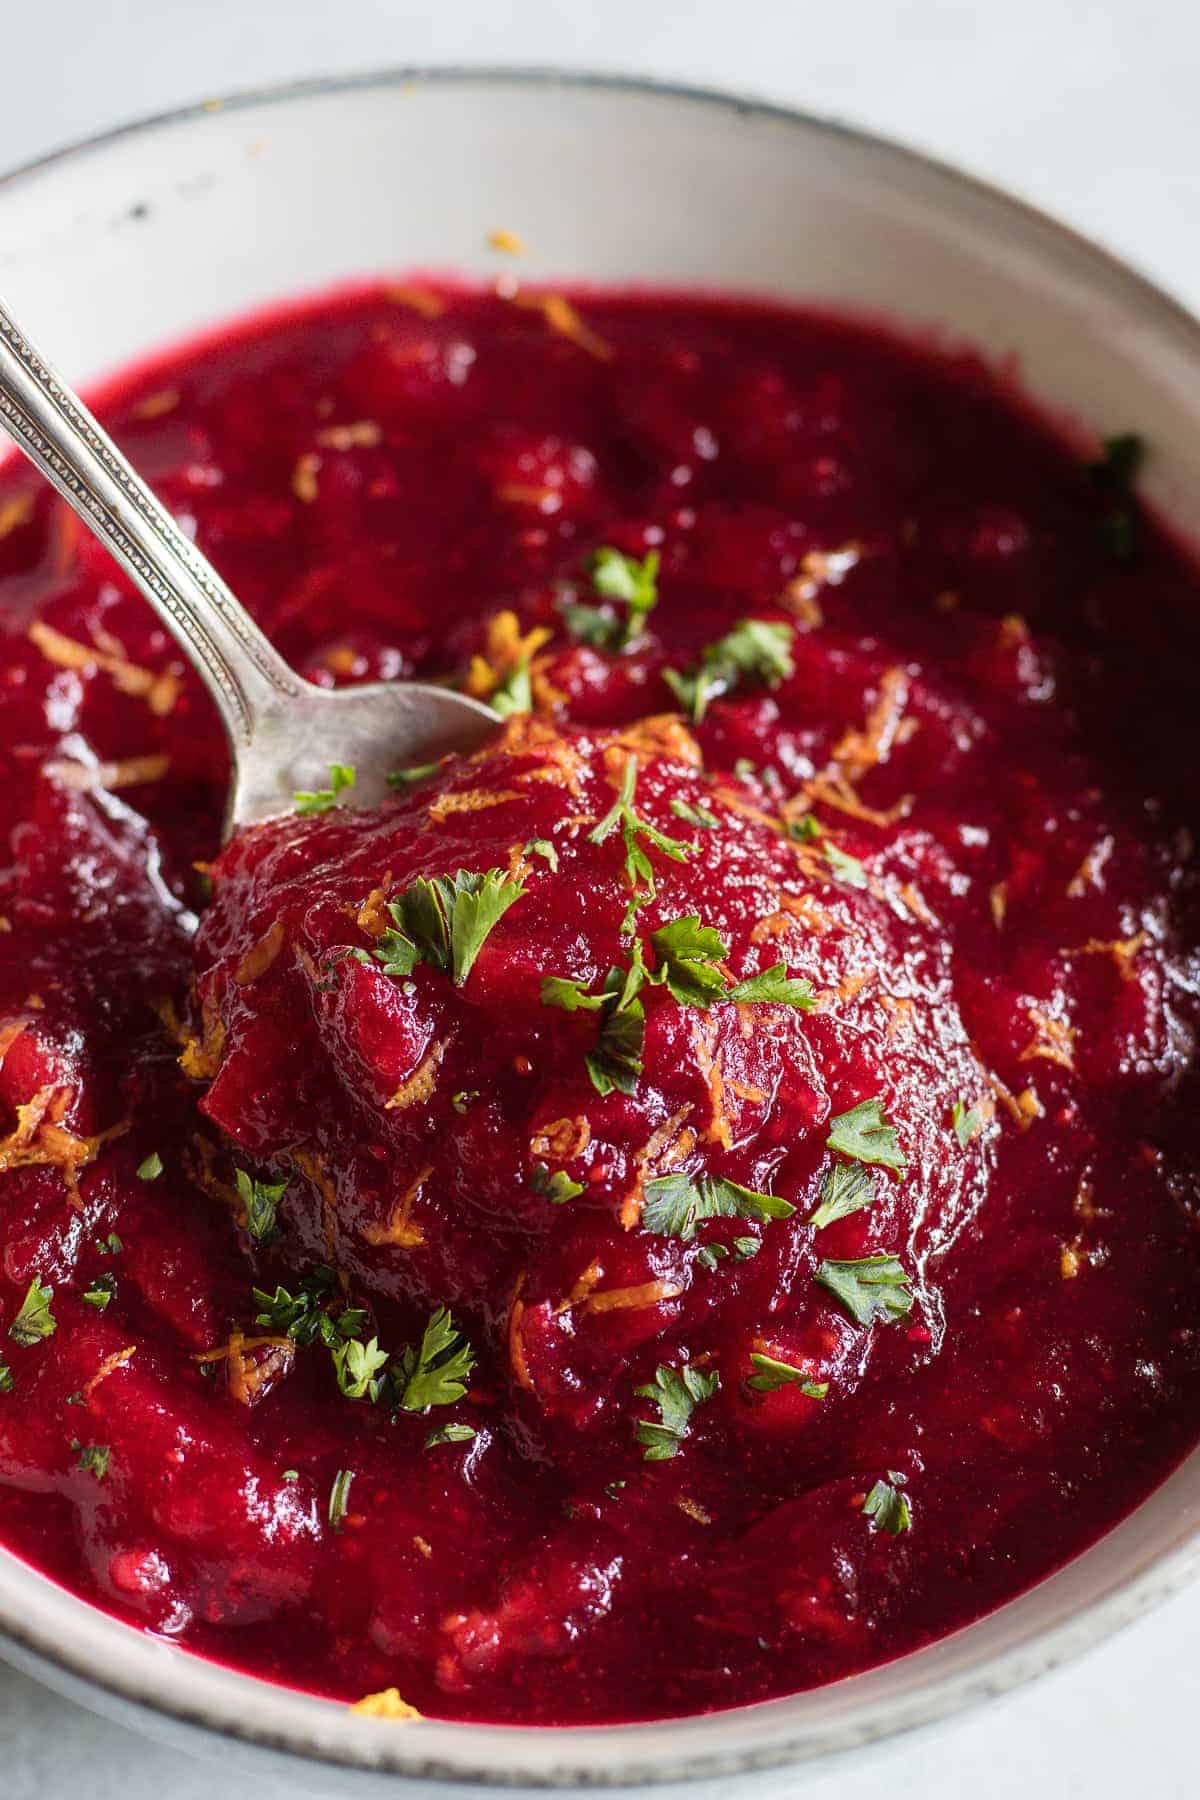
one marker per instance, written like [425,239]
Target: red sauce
[946,792]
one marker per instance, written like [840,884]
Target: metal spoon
[283,732]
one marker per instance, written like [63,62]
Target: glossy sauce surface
[951,798]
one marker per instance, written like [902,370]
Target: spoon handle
[47,420]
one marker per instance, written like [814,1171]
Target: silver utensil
[284,733]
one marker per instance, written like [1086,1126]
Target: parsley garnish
[846,869]
[887,1508]
[770,1374]
[677,1393]
[356,1365]
[806,829]
[616,1061]
[444,922]
[544,848]
[110,1245]
[967,1124]
[261,1201]
[434,1372]
[35,1320]
[319,800]
[570,996]
[676,1204]
[864,1134]
[92,1457]
[304,1316]
[151,1168]
[844,1190]
[775,987]
[557,1187]
[1114,476]
[745,1247]
[622,578]
[450,1434]
[463,1101]
[869,1288]
[99,1292]
[6,1379]
[402,778]
[753,651]
[339,1495]
[695,815]
[687,954]
[514,694]
[639,871]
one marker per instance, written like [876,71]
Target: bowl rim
[655,1752]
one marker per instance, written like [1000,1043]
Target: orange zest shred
[420,1084]
[201,1058]
[660,736]
[506,649]
[834,790]
[372,916]
[387,1704]
[304,477]
[157,405]
[159,690]
[708,1060]
[858,752]
[40,1139]
[998,902]
[1022,1108]
[399,1230]
[667,1145]
[509,243]
[117,1360]
[1090,869]
[418,299]
[246,1371]
[260,956]
[562,318]
[15,512]
[86,778]
[753,1096]
[364,434]
[560,1140]
[1053,1040]
[517,1359]
[468,801]
[625,1299]
[581,1288]
[1124,951]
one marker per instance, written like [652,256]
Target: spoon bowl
[285,735]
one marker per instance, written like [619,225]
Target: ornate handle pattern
[244,673]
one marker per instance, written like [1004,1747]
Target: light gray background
[1088,107]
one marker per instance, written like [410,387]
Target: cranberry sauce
[692,1201]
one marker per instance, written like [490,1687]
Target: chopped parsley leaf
[445,922]
[1114,476]
[110,1245]
[463,1101]
[289,1475]
[569,996]
[745,1247]
[694,815]
[434,1373]
[709,1255]
[616,576]
[676,1204]
[34,1321]
[864,1134]
[687,955]
[304,1316]
[514,694]
[92,1457]
[887,1507]
[845,1189]
[770,1374]
[557,1187]
[967,1124]
[151,1168]
[356,1365]
[616,1060]
[402,778]
[775,987]
[6,1379]
[99,1292]
[261,1202]
[339,1495]
[544,848]
[753,651]
[869,1288]
[806,829]
[677,1393]
[450,1434]
[639,871]
[319,800]
[846,869]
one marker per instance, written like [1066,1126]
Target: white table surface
[1087,107]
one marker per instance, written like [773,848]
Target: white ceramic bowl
[133,241]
